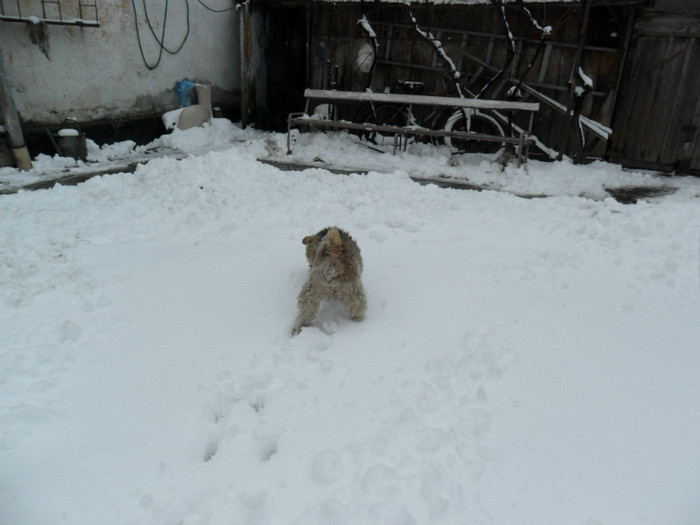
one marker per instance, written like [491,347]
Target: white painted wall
[97,73]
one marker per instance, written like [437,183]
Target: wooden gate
[658,109]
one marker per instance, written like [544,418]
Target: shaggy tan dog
[335,269]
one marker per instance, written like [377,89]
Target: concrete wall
[98,73]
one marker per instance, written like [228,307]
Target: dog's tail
[334,247]
[333,240]
[334,244]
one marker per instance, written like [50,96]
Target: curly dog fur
[335,268]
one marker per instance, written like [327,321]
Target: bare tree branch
[427,35]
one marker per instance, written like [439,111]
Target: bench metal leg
[400,142]
[521,145]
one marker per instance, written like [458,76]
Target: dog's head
[313,242]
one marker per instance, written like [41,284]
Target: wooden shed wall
[474,37]
[644,63]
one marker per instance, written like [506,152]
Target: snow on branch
[587,81]
[367,27]
[509,34]
[456,75]
[375,44]
[545,33]
[546,30]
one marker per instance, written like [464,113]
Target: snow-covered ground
[523,361]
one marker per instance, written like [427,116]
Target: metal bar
[499,36]
[387,46]
[84,4]
[51,2]
[545,63]
[50,21]
[516,59]
[462,47]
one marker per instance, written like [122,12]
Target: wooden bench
[404,130]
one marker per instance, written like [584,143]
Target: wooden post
[253,65]
[8,112]
[572,113]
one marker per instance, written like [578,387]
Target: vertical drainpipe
[8,111]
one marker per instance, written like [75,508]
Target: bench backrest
[428,100]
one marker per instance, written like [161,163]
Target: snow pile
[219,133]
[522,360]
[424,161]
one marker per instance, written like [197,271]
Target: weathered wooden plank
[253,66]
[625,103]
[665,61]
[653,23]
[427,100]
[634,100]
[681,103]
[545,63]
[656,117]
[690,148]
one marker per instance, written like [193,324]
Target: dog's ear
[307,239]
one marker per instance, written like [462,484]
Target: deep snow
[523,361]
